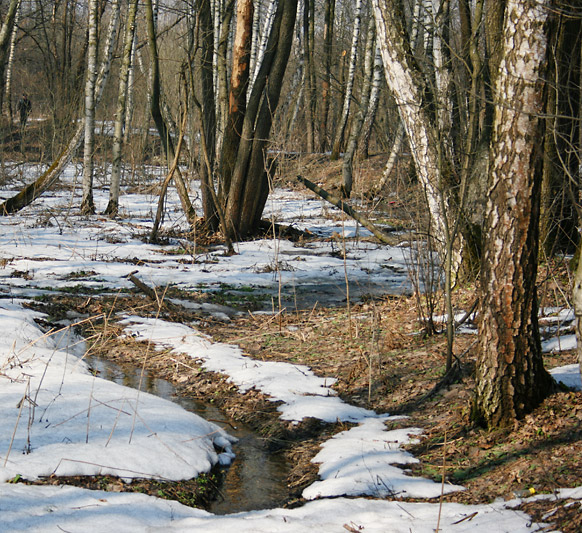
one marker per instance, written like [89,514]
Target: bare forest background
[474,105]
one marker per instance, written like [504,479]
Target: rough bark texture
[239,83]
[250,187]
[511,379]
[409,88]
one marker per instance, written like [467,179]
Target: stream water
[255,480]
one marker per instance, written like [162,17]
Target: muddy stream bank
[257,477]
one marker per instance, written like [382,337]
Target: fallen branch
[350,211]
[150,293]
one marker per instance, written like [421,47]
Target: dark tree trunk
[326,81]
[239,84]
[249,185]
[208,114]
[165,139]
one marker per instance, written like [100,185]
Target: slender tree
[328,35]
[348,96]
[348,159]
[6,30]
[87,205]
[155,92]
[9,63]
[113,205]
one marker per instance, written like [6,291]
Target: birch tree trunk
[8,27]
[130,92]
[87,205]
[9,63]
[348,159]
[113,205]
[510,377]
[364,144]
[409,89]
[262,39]
[339,138]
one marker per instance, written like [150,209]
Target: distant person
[23,107]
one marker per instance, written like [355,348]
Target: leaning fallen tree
[347,209]
[48,178]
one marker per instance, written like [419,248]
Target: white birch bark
[392,158]
[510,378]
[12,47]
[6,31]
[348,159]
[255,38]
[443,79]
[87,206]
[112,208]
[130,92]
[105,67]
[407,88]
[350,81]
[265,31]
[373,103]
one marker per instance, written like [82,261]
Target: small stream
[256,478]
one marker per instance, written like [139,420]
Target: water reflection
[255,480]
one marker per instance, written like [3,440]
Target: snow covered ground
[58,419]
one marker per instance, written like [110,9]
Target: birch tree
[9,63]
[510,377]
[409,89]
[87,205]
[6,30]
[339,137]
[120,112]
[348,159]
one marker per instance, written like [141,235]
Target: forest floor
[383,359]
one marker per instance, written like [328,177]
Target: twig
[17,421]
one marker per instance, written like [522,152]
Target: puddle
[256,478]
